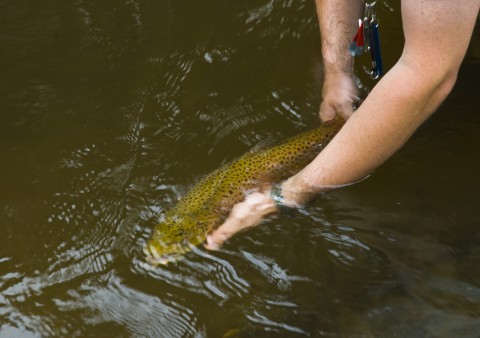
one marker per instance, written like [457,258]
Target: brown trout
[210,201]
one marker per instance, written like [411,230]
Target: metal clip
[375,51]
[367,39]
[368,15]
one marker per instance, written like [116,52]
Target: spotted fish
[210,201]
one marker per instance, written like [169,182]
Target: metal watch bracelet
[279,200]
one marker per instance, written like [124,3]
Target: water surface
[110,111]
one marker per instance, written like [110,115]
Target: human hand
[244,215]
[340,96]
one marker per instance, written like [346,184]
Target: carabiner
[375,50]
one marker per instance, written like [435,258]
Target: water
[111,111]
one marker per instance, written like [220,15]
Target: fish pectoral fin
[263,145]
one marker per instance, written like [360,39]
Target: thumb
[215,241]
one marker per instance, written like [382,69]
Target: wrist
[338,64]
[295,193]
[335,72]
[276,194]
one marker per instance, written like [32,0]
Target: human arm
[338,22]
[437,34]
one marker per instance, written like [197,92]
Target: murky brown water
[110,111]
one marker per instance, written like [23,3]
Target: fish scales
[210,201]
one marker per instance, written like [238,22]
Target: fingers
[233,224]
[340,96]
[243,215]
[216,239]
[328,111]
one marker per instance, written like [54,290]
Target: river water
[111,110]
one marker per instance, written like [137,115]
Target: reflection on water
[111,111]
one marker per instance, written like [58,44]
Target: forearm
[383,123]
[338,21]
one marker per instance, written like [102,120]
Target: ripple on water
[139,313]
[288,25]
[200,273]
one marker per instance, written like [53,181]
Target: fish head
[171,239]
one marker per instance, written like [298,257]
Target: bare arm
[437,33]
[338,21]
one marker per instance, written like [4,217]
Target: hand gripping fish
[208,204]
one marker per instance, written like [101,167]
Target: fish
[210,201]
